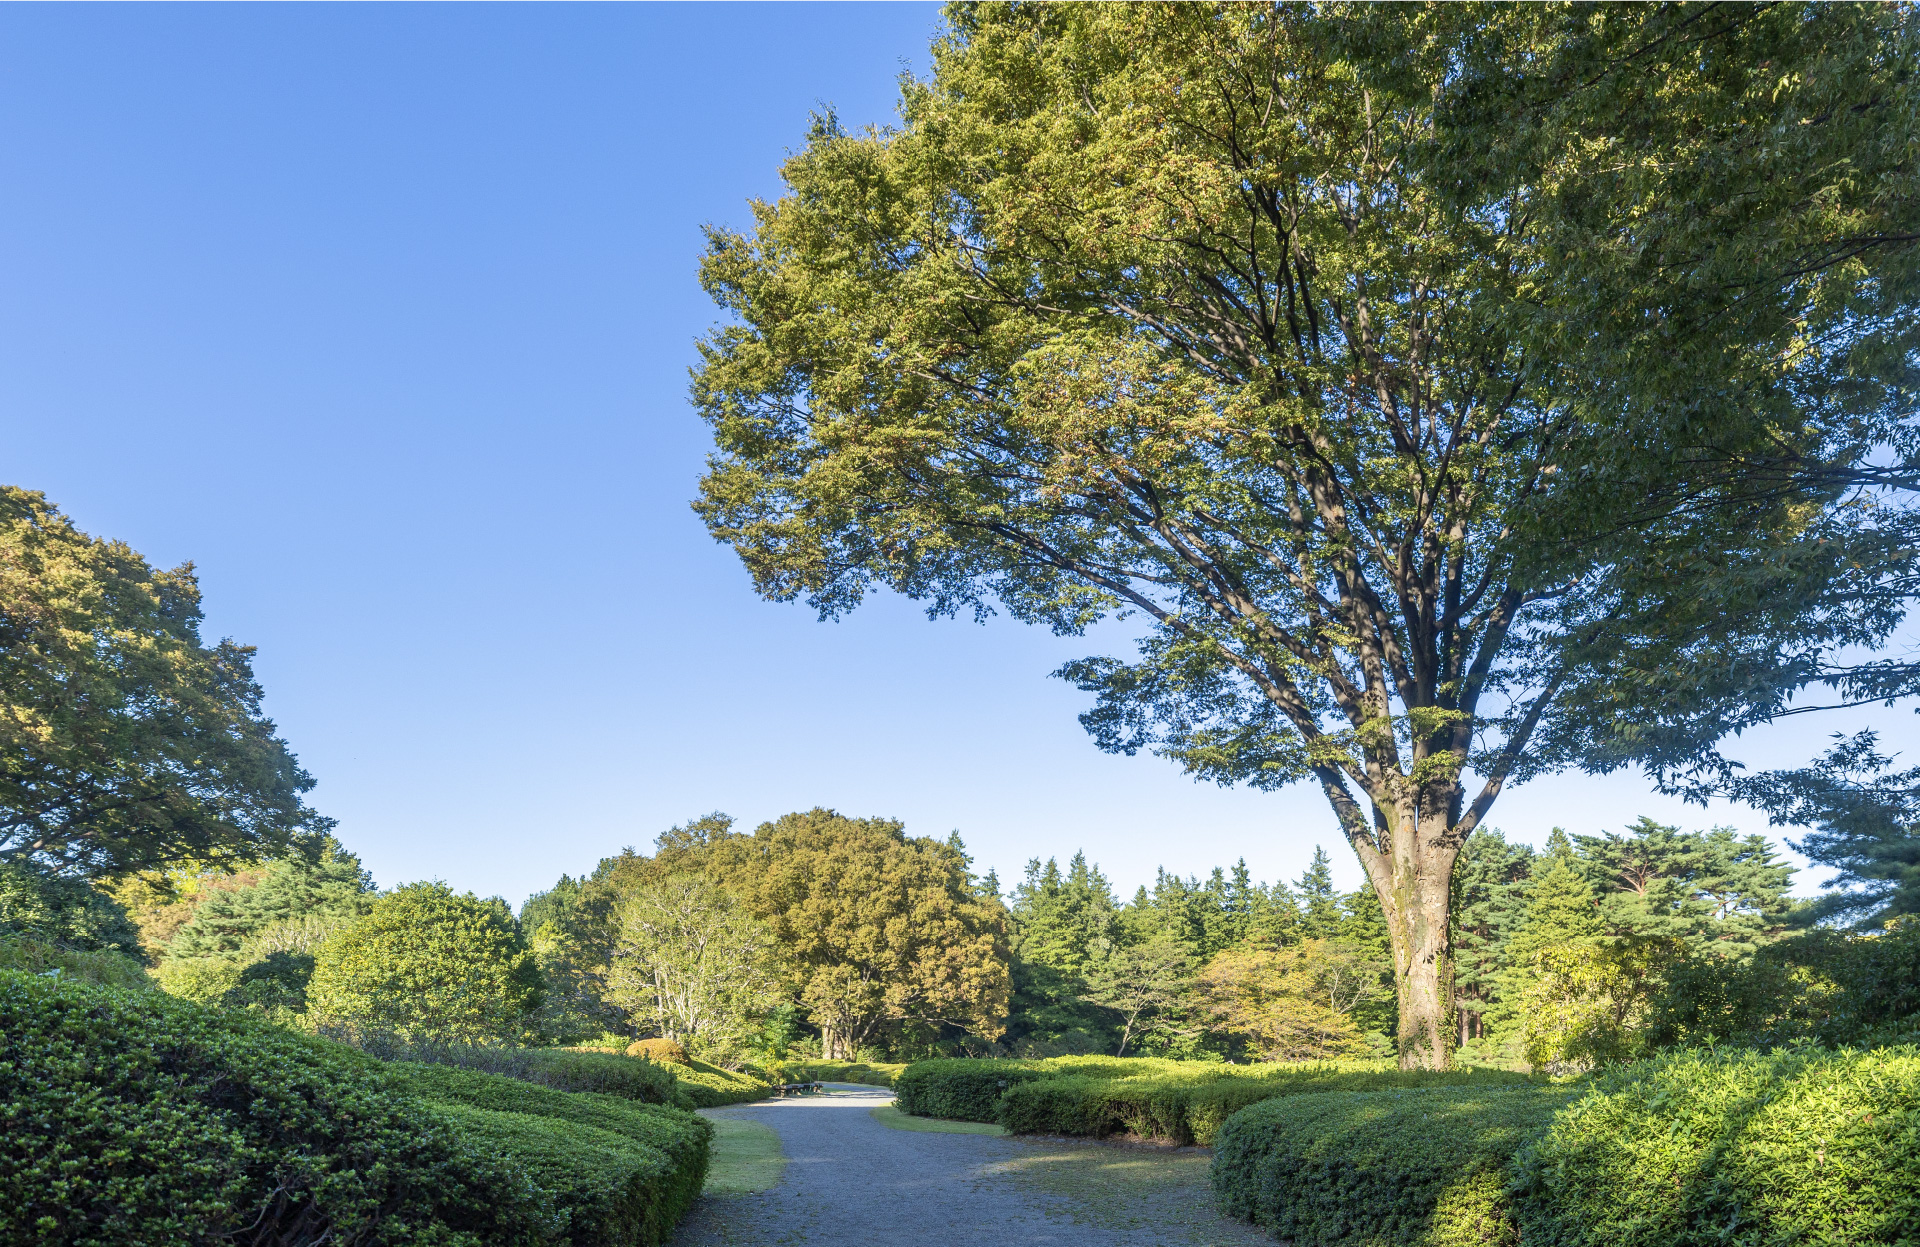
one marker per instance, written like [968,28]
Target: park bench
[799,1088]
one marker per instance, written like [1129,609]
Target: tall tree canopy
[1204,314]
[126,743]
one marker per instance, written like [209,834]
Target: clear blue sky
[382,316]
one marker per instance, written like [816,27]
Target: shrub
[564,1069]
[659,1050]
[1422,1165]
[709,1086]
[133,1117]
[55,909]
[1176,1101]
[427,962]
[1801,1146]
[104,966]
[635,1191]
[880,1074]
[959,1090]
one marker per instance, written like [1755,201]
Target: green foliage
[321,884]
[1715,1147]
[671,1050]
[709,1086]
[430,963]
[1822,986]
[690,963]
[621,1172]
[563,1069]
[132,1117]
[38,905]
[1586,1003]
[126,743]
[1695,888]
[878,1075]
[1423,1165]
[103,967]
[1174,1101]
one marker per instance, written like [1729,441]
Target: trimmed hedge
[135,1118]
[709,1086]
[638,1191]
[1176,1101]
[1804,1146]
[880,1075]
[563,1069]
[1426,1165]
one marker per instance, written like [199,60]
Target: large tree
[126,742]
[1195,313]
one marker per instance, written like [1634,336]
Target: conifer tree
[331,884]
[1319,903]
[1488,904]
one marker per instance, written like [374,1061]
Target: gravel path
[853,1182]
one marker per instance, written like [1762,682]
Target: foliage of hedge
[1807,1147]
[135,1118]
[709,1086]
[104,967]
[1176,1101]
[563,1069]
[670,1050]
[630,1195]
[878,1074]
[1424,1165]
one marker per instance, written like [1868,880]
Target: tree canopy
[1230,318]
[126,743]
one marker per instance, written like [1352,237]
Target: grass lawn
[1128,1189]
[746,1158]
[888,1115]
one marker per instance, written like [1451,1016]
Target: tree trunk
[1414,886]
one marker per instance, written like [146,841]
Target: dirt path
[852,1182]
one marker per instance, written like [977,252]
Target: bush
[709,1086]
[104,967]
[564,1069]
[132,1117]
[634,1189]
[659,1050]
[1802,1147]
[56,909]
[880,1074]
[1176,1101]
[427,962]
[1421,1165]
[958,1089]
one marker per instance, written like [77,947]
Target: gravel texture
[852,1182]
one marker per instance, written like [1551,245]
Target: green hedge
[709,1086]
[1425,1165]
[563,1069]
[1807,1146]
[872,1075]
[1175,1101]
[638,1191]
[135,1118]
[959,1090]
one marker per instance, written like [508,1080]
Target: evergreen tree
[1490,884]
[329,884]
[1703,891]
[1056,921]
[1319,903]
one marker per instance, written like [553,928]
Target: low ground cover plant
[1422,1165]
[1804,1146]
[1173,1101]
[134,1117]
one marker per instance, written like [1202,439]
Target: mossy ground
[893,1118]
[746,1158]
[1119,1189]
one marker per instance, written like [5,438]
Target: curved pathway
[852,1182]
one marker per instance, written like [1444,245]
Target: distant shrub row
[879,1074]
[1173,1101]
[696,1084]
[133,1117]
[1804,1147]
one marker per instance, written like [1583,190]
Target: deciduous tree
[126,742]
[1177,312]
[692,965]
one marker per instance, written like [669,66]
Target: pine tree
[1561,905]
[1056,920]
[1319,903]
[329,884]
[1490,884]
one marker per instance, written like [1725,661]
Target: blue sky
[382,316]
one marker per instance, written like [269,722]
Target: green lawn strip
[745,1158]
[1130,1189]
[891,1117]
